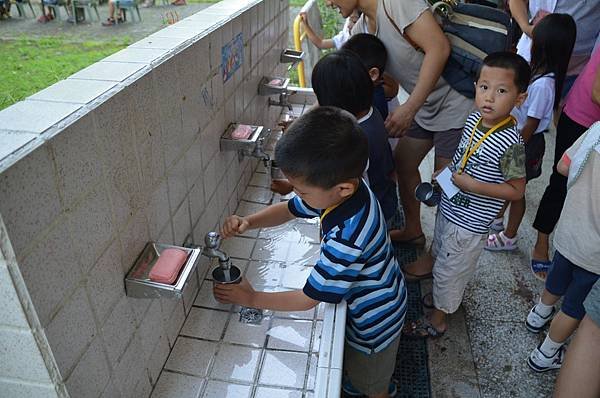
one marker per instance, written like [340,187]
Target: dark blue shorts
[573,282]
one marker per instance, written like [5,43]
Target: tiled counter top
[288,354]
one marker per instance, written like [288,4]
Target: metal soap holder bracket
[291,56]
[252,146]
[272,86]
[138,283]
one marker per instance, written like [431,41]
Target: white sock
[549,347]
[543,310]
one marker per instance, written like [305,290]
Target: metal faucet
[212,241]
[257,150]
[283,100]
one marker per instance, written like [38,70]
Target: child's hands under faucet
[241,293]
[234,225]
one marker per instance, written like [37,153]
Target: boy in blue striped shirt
[323,154]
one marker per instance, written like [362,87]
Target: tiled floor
[216,355]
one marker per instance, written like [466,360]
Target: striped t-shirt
[500,157]
[357,264]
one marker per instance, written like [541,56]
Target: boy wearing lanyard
[323,154]
[489,168]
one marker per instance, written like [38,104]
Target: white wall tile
[105,283]
[269,392]
[91,374]
[133,240]
[158,210]
[115,138]
[190,290]
[172,324]
[158,358]
[29,199]
[21,358]
[151,330]
[129,370]
[71,330]
[12,311]
[20,389]
[236,363]
[111,390]
[91,227]
[282,368]
[175,385]
[191,356]
[205,324]
[118,330]
[51,272]
[76,156]
[182,225]
[245,333]
[177,184]
[228,390]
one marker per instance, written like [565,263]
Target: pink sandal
[499,242]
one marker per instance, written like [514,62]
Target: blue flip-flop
[538,266]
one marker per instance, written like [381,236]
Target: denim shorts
[573,282]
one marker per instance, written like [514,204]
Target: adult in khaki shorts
[433,115]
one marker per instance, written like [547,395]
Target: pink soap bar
[168,265]
[241,132]
[276,82]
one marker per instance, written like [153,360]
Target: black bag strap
[404,35]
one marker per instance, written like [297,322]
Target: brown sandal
[421,329]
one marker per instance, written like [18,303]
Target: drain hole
[251,315]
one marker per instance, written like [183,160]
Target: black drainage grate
[412,370]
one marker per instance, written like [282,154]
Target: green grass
[31,65]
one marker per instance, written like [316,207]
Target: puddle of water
[287,334]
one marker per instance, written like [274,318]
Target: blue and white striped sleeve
[338,267]
[300,209]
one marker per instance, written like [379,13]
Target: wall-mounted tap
[283,100]
[225,272]
[212,241]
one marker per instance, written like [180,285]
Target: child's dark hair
[370,49]
[553,39]
[340,79]
[512,61]
[323,147]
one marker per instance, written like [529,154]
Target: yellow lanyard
[327,211]
[470,151]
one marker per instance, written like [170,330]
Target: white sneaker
[539,362]
[535,322]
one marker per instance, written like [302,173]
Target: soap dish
[138,283]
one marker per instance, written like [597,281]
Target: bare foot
[419,269]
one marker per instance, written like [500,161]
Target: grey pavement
[153,19]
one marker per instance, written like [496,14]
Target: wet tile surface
[217,355]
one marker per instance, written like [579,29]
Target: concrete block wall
[123,152]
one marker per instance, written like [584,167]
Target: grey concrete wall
[93,167]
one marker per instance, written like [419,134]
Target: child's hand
[464,181]
[304,18]
[282,187]
[234,225]
[241,293]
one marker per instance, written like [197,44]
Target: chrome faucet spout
[212,241]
